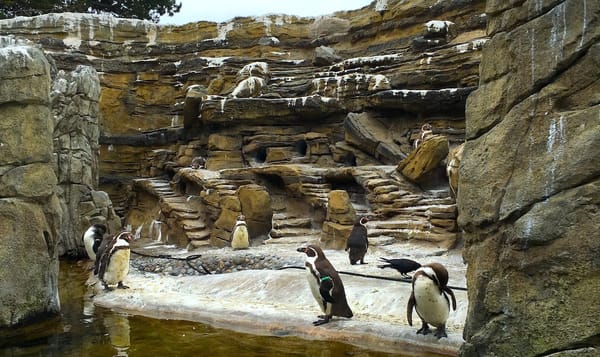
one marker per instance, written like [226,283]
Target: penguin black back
[358,242]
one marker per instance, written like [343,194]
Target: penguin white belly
[118,267]
[88,243]
[314,289]
[430,304]
[240,238]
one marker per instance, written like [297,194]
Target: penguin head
[126,236]
[99,229]
[312,251]
[363,220]
[241,217]
[434,271]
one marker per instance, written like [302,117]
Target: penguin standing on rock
[357,243]
[112,263]
[325,284]
[92,238]
[403,266]
[239,235]
[429,297]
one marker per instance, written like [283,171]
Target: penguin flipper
[451,293]
[409,308]
[325,288]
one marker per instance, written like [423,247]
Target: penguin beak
[301,250]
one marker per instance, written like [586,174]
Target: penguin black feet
[122,286]
[106,287]
[424,330]
[323,319]
[441,332]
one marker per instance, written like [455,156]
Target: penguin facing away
[112,263]
[239,234]
[92,238]
[325,284]
[358,243]
[402,265]
[429,297]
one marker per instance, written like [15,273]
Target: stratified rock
[529,189]
[325,56]
[29,209]
[255,203]
[339,220]
[367,133]
[249,88]
[429,155]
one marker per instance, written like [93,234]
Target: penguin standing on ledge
[325,284]
[357,243]
[403,266]
[239,235]
[92,238]
[429,297]
[112,263]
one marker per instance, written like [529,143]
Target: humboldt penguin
[402,265]
[357,242]
[425,133]
[325,284]
[429,297]
[112,263]
[92,238]
[239,234]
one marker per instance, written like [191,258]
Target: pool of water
[83,329]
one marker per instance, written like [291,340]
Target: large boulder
[29,210]
[339,220]
[529,187]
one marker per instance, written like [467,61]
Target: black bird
[403,266]
[429,297]
[325,284]
[357,243]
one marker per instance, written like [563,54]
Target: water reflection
[87,330]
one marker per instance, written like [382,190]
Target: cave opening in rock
[261,155]
[301,147]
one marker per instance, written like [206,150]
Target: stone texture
[30,214]
[528,193]
[339,220]
[425,158]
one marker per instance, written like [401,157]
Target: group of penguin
[110,254]
[430,295]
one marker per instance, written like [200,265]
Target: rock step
[199,235]
[293,232]
[192,224]
[283,223]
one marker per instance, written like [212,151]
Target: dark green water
[85,330]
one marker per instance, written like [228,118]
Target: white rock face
[249,87]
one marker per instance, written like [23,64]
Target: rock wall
[30,213]
[74,101]
[529,183]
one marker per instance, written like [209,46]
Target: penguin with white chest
[112,263]
[239,234]
[358,243]
[325,284]
[92,238]
[429,297]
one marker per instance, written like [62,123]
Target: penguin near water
[112,263]
[325,284]
[92,238]
[358,243]
[429,297]
[402,265]
[239,234]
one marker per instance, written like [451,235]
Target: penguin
[325,284]
[239,234]
[403,266]
[112,263]
[429,297]
[425,133]
[357,242]
[92,238]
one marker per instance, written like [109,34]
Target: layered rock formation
[30,213]
[529,183]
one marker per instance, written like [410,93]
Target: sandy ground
[279,302]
